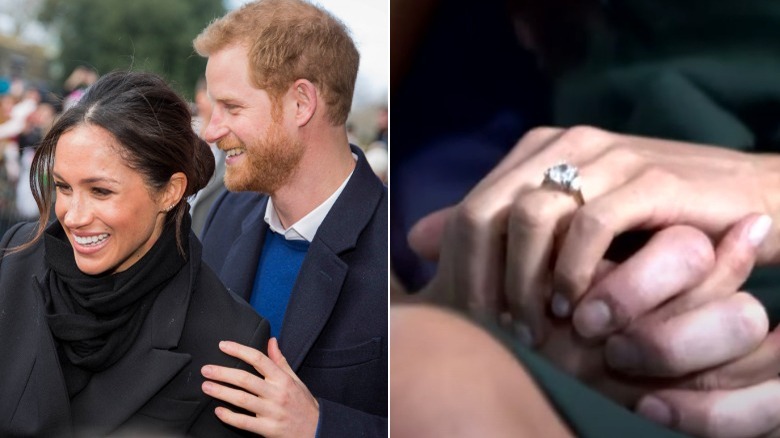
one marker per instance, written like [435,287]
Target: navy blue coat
[334,334]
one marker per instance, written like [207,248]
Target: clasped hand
[691,351]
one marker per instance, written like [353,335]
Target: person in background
[36,126]
[302,232]
[382,126]
[377,157]
[76,84]
[109,312]
[9,168]
[201,203]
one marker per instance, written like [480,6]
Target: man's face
[261,153]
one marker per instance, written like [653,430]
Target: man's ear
[306,98]
[174,190]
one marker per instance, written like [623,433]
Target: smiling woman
[109,215]
[114,313]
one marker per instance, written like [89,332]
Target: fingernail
[206,370]
[592,318]
[523,333]
[561,307]
[621,354]
[759,230]
[655,409]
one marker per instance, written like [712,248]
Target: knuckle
[738,263]
[623,153]
[469,215]
[244,380]
[284,397]
[570,280]
[752,322]
[719,423]
[583,134]
[540,134]
[244,399]
[663,353]
[243,422]
[255,357]
[587,222]
[710,381]
[532,215]
[659,176]
[697,252]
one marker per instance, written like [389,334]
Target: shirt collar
[307,226]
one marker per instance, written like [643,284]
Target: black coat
[154,388]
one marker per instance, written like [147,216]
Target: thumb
[735,257]
[274,352]
[278,358]
[426,235]
[761,364]
[745,412]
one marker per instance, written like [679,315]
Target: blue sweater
[280,261]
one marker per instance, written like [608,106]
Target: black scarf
[95,319]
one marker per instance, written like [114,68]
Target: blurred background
[52,50]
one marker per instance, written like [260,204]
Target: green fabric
[698,70]
[705,71]
[588,413]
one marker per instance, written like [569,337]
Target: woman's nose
[77,213]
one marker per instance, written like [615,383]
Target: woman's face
[109,214]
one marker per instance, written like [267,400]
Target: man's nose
[215,128]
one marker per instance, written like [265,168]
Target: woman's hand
[515,245]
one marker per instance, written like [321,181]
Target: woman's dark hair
[153,128]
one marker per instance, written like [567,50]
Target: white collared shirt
[307,226]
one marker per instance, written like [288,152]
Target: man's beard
[269,163]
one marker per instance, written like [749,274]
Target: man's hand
[746,412]
[664,314]
[281,403]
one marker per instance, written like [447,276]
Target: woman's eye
[101,192]
[61,187]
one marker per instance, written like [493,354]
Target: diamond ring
[565,177]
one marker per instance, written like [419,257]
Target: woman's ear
[174,190]
[306,99]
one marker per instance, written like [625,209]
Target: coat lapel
[322,274]
[238,271]
[312,300]
[114,395]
